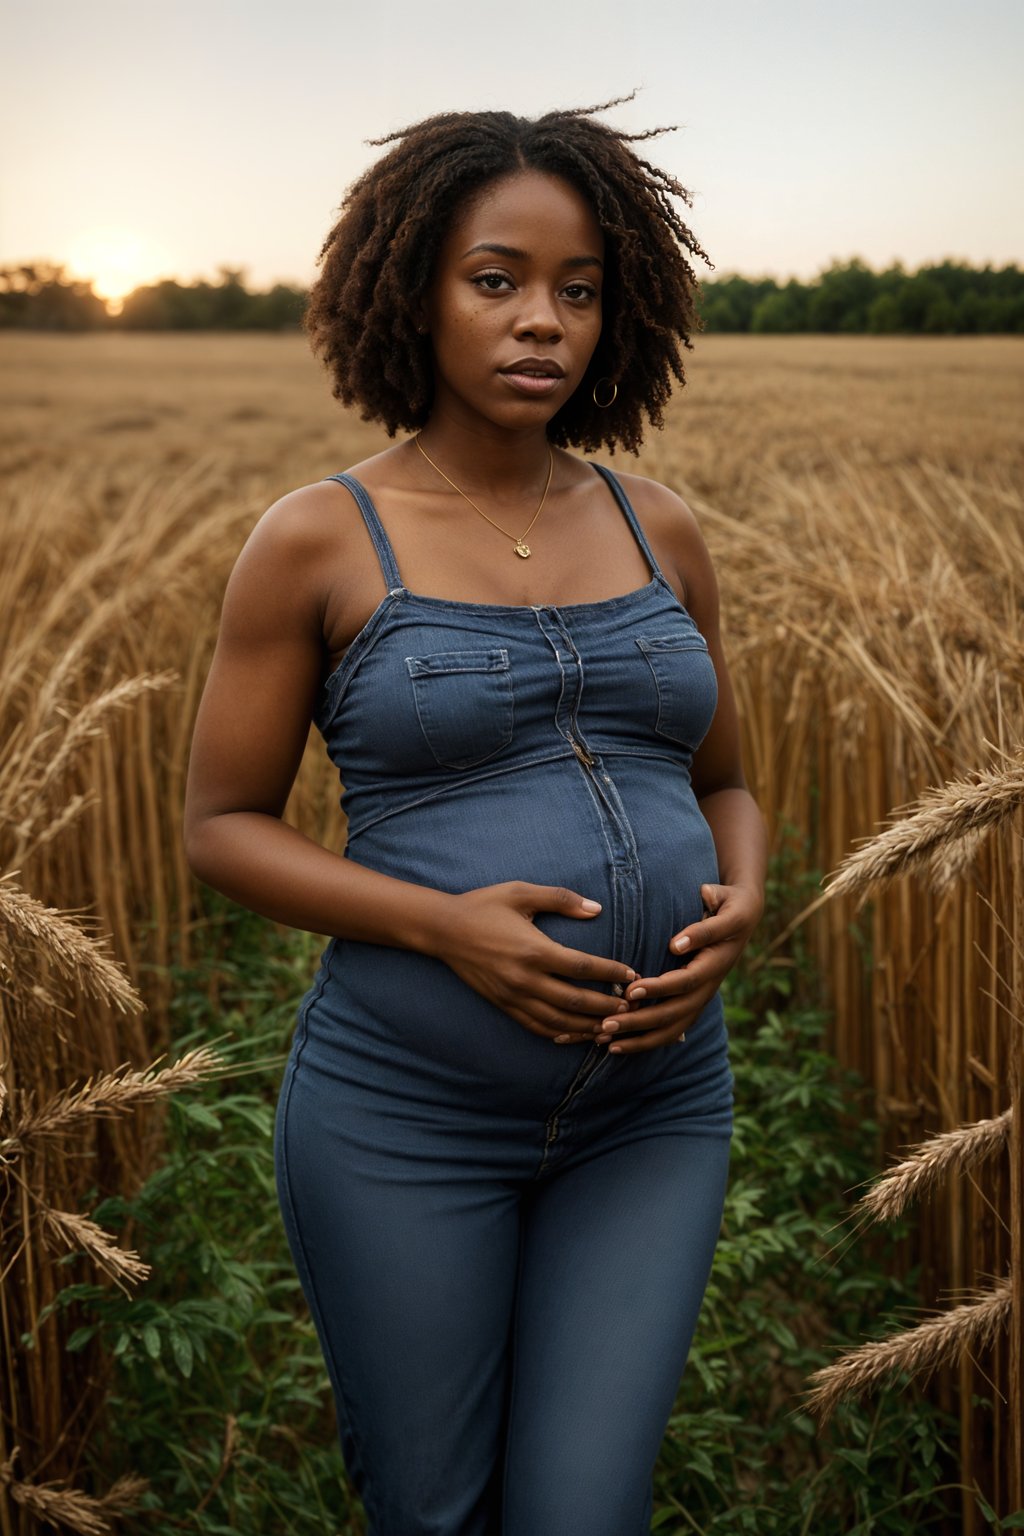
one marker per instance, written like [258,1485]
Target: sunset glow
[117,260]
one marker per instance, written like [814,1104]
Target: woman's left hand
[672,1001]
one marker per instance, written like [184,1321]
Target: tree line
[946,298]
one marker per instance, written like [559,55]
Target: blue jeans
[505,1302]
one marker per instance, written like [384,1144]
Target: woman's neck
[488,461]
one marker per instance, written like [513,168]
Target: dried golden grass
[69,688]
[922,1172]
[54,1503]
[938,835]
[946,1338]
[112,1093]
[73,1231]
[28,925]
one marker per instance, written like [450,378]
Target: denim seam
[336,686]
[563,753]
[514,1374]
[620,599]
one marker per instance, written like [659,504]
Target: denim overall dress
[504,1243]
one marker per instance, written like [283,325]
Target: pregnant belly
[637,843]
[408,1025]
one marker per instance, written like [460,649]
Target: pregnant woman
[503,1132]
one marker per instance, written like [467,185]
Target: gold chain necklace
[520,544]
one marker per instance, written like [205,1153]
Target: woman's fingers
[648,1042]
[575,1001]
[551,1025]
[645,1028]
[677,1011]
[702,969]
[710,930]
[531,898]
[550,1022]
[580,966]
[731,911]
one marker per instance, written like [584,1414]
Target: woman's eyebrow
[514,254]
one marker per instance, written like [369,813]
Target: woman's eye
[580,291]
[490,280]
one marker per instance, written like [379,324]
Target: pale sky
[225,131]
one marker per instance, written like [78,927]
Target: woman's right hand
[492,943]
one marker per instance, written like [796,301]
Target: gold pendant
[522,549]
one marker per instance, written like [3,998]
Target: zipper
[582,752]
[578,1082]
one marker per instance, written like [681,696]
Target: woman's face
[514,305]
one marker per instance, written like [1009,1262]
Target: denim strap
[381,542]
[631,517]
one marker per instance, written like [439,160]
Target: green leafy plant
[740,1454]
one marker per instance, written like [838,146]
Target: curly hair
[378,260]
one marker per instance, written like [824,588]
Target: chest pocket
[464,703]
[686,685]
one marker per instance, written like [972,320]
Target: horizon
[114,306]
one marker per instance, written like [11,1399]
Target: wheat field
[863,499]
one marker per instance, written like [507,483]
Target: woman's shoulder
[319,514]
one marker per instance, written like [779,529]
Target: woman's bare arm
[250,733]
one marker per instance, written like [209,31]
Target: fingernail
[681,944]
[610,1024]
[615,1050]
[590,906]
[637,992]
[562,1039]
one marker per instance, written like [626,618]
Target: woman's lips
[533,383]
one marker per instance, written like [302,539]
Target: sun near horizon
[116,261]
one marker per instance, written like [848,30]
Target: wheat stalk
[111,1094]
[958,1150]
[940,1340]
[927,829]
[54,1502]
[75,1231]
[90,721]
[29,844]
[74,954]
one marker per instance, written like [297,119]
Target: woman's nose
[539,318]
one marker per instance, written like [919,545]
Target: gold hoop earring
[604,404]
